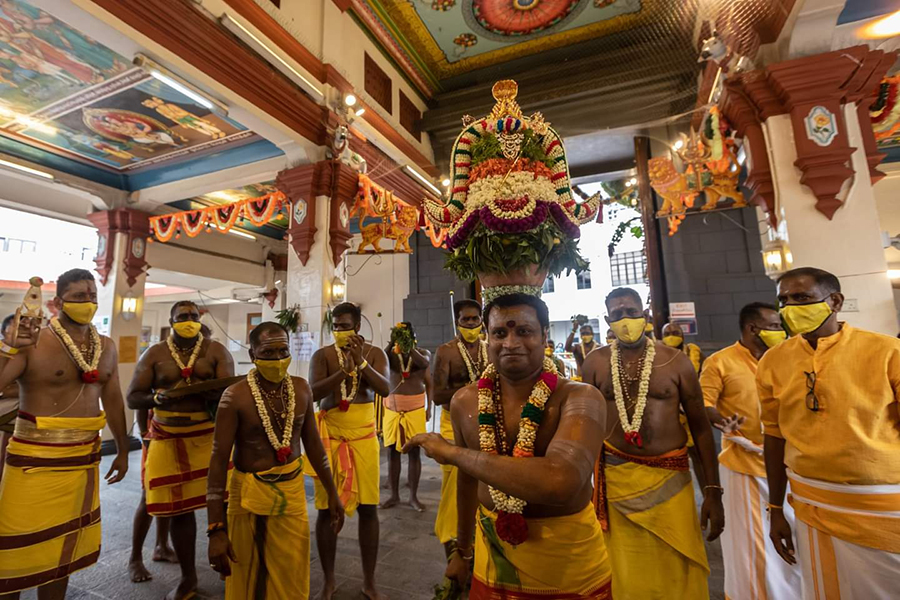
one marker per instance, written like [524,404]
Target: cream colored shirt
[855,436]
[728,380]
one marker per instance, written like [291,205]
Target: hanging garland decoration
[164,227]
[222,218]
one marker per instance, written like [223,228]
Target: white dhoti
[848,539]
[753,569]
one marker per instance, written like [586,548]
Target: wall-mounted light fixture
[777,258]
[129,306]
[338,289]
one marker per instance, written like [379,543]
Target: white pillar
[850,244]
[122,327]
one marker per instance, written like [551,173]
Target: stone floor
[410,560]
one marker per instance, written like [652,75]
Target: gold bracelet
[771,507]
[8,350]
[363,366]
[713,487]
[463,556]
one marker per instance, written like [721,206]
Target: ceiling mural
[63,92]
[444,38]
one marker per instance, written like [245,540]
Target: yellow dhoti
[178,462]
[269,532]
[404,417]
[848,538]
[49,500]
[564,558]
[445,523]
[651,526]
[354,453]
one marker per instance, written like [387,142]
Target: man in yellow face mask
[673,337]
[585,347]
[829,413]
[457,363]
[732,404]
[69,384]
[345,378]
[180,431]
[266,420]
[645,501]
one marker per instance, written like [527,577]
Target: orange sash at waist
[404,403]
[675,460]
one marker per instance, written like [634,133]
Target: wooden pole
[659,298]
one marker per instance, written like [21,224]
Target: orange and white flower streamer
[221,218]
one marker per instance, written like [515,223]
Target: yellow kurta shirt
[855,436]
[729,385]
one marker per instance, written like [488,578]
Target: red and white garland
[186,369]
[511,525]
[632,428]
[283,446]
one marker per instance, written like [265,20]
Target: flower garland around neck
[283,446]
[511,525]
[406,370]
[186,369]
[89,372]
[346,398]
[632,428]
[482,359]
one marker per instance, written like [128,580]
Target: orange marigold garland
[193,221]
[511,525]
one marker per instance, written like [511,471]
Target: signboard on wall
[684,314]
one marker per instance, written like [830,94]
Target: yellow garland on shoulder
[474,374]
[285,441]
[74,351]
[177,358]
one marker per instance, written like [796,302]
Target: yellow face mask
[805,318]
[80,312]
[772,337]
[187,329]
[470,334]
[587,339]
[273,370]
[672,341]
[342,338]
[629,330]
[548,351]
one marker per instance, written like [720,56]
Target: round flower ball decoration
[515,18]
[510,218]
[465,40]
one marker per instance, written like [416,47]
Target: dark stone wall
[717,264]
[428,306]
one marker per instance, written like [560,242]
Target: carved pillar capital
[300,185]
[133,224]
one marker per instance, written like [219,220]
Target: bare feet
[187,589]
[327,591]
[372,594]
[390,502]
[164,554]
[138,571]
[418,506]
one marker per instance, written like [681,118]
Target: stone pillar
[815,171]
[121,266]
[314,191]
